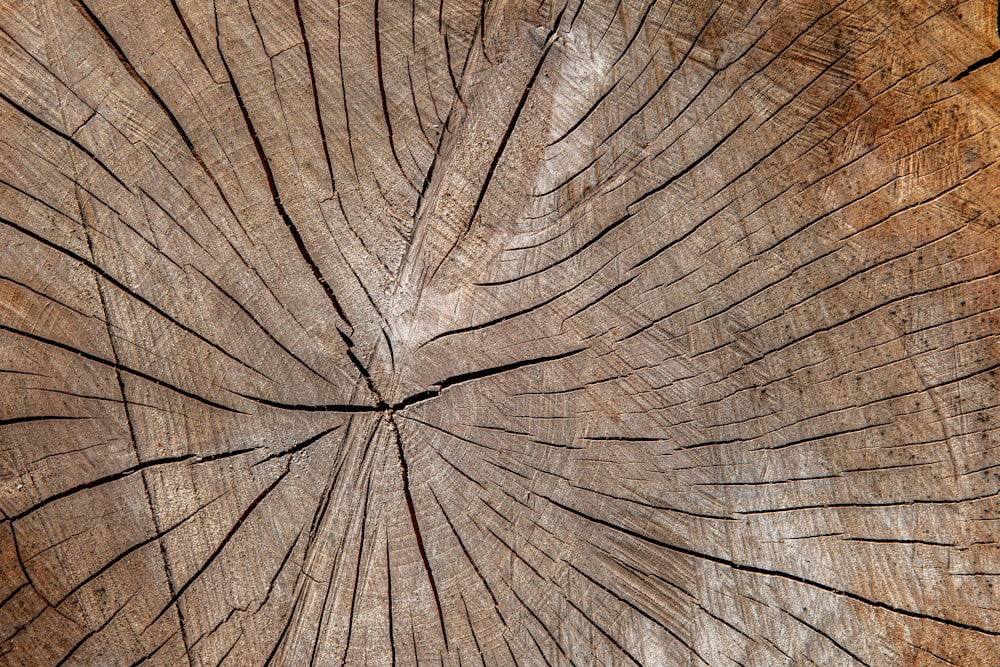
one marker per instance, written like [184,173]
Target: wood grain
[590,333]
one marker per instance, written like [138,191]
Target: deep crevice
[405,473]
[273,187]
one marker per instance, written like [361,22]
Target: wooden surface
[520,334]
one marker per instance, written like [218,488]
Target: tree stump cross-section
[382,332]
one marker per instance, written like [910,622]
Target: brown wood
[395,333]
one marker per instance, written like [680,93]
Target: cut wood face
[389,333]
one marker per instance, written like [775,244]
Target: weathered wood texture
[610,333]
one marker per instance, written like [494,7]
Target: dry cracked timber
[374,332]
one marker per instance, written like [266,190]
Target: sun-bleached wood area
[392,332]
